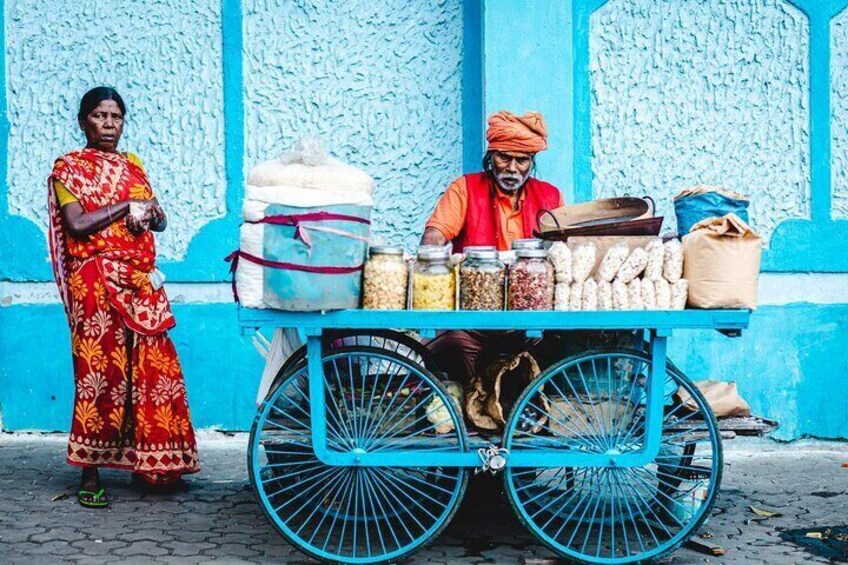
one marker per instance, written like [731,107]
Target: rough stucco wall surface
[379,82]
[839,116]
[163,56]
[702,92]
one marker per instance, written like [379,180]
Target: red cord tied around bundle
[300,230]
[295,220]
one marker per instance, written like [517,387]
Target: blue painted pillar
[527,54]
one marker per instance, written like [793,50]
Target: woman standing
[130,406]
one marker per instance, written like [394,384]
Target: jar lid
[528,244]
[484,253]
[433,253]
[385,250]
[471,248]
[531,253]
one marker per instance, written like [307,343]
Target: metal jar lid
[385,250]
[471,248]
[531,253]
[482,254]
[433,253]
[528,244]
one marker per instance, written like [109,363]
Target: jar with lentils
[433,280]
[531,281]
[481,280]
[384,279]
[531,243]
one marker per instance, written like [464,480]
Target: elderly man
[492,207]
[501,203]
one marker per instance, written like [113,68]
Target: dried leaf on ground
[61,496]
[764,513]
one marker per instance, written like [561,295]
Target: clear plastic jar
[531,281]
[433,280]
[531,243]
[481,280]
[385,279]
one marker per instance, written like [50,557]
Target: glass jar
[531,243]
[481,280]
[385,279]
[433,280]
[471,248]
[531,281]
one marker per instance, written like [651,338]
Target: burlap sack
[721,261]
[723,398]
[491,396]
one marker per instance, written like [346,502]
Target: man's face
[511,169]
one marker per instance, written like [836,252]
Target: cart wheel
[376,401]
[595,403]
[404,345]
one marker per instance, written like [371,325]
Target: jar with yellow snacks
[384,280]
[433,280]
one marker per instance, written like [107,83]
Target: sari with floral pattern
[130,407]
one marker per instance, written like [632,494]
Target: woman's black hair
[95,96]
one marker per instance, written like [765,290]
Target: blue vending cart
[351,461]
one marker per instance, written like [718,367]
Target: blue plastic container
[299,291]
[692,209]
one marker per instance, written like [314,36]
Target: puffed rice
[673,261]
[620,297]
[582,261]
[590,295]
[679,294]
[560,255]
[561,293]
[612,261]
[634,265]
[656,254]
[649,295]
[663,292]
[575,296]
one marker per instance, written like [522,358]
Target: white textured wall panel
[163,56]
[702,92]
[379,81]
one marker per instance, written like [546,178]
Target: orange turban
[523,134]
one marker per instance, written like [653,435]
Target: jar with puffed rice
[433,281]
[385,279]
[531,281]
[481,280]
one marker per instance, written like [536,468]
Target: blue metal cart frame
[659,326]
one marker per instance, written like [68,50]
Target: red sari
[130,406]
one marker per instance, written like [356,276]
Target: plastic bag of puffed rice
[582,261]
[605,296]
[679,294]
[656,257]
[590,295]
[575,296]
[560,256]
[649,295]
[634,295]
[620,296]
[561,294]
[663,292]
[634,265]
[612,261]
[673,260]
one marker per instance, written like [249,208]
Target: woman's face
[103,126]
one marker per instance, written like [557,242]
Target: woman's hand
[157,221]
[136,226]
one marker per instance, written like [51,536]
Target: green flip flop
[91,499]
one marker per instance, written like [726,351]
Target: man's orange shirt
[449,215]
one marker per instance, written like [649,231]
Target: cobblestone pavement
[218,520]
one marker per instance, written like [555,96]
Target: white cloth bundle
[575,296]
[559,255]
[605,301]
[561,294]
[612,261]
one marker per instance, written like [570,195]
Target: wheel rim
[595,404]
[378,402]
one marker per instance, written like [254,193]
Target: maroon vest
[482,221]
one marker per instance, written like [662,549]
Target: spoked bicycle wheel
[595,403]
[403,344]
[377,401]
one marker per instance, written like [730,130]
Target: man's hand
[432,236]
